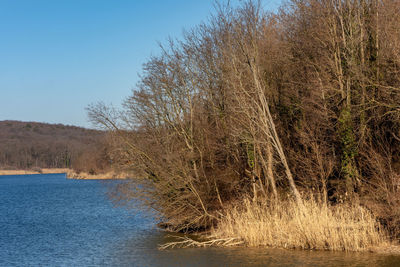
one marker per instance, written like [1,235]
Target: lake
[48,220]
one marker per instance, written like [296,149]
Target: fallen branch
[187,242]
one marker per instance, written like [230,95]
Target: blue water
[48,220]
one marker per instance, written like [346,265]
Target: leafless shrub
[261,104]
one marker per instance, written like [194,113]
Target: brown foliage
[30,145]
[265,105]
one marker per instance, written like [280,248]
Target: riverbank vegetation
[278,129]
[314,225]
[34,171]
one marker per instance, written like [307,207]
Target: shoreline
[71,174]
[35,171]
[384,249]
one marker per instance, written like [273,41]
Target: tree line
[268,106]
[27,145]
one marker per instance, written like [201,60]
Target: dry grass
[71,174]
[313,226]
[33,171]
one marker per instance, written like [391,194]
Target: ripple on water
[48,220]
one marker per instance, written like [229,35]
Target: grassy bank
[313,225]
[71,174]
[34,171]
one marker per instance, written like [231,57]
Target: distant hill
[25,145]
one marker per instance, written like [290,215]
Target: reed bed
[312,225]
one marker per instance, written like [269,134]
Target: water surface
[48,220]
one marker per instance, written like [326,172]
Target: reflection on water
[47,220]
[141,250]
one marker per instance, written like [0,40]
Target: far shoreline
[71,174]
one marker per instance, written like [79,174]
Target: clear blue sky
[58,56]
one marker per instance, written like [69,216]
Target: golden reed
[314,225]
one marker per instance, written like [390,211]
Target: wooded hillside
[25,145]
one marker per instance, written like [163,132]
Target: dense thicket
[26,145]
[267,105]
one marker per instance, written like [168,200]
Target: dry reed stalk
[186,242]
[313,225]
